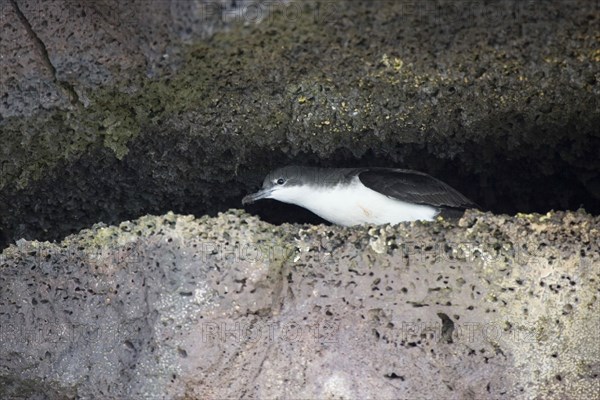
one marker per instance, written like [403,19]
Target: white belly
[357,204]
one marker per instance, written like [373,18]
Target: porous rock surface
[131,113]
[231,307]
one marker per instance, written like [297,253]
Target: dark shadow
[164,172]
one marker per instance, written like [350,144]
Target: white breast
[354,205]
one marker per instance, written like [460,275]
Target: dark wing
[413,187]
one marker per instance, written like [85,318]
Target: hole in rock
[156,176]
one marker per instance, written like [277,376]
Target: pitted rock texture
[500,100]
[231,307]
[93,44]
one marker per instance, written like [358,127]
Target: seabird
[356,196]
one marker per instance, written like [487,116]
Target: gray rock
[57,52]
[500,100]
[176,307]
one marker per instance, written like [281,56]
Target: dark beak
[261,194]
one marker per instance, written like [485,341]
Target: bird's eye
[280,181]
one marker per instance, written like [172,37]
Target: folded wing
[413,187]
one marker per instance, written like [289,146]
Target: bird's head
[281,184]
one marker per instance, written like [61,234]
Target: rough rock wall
[123,111]
[55,53]
[231,307]
[112,110]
